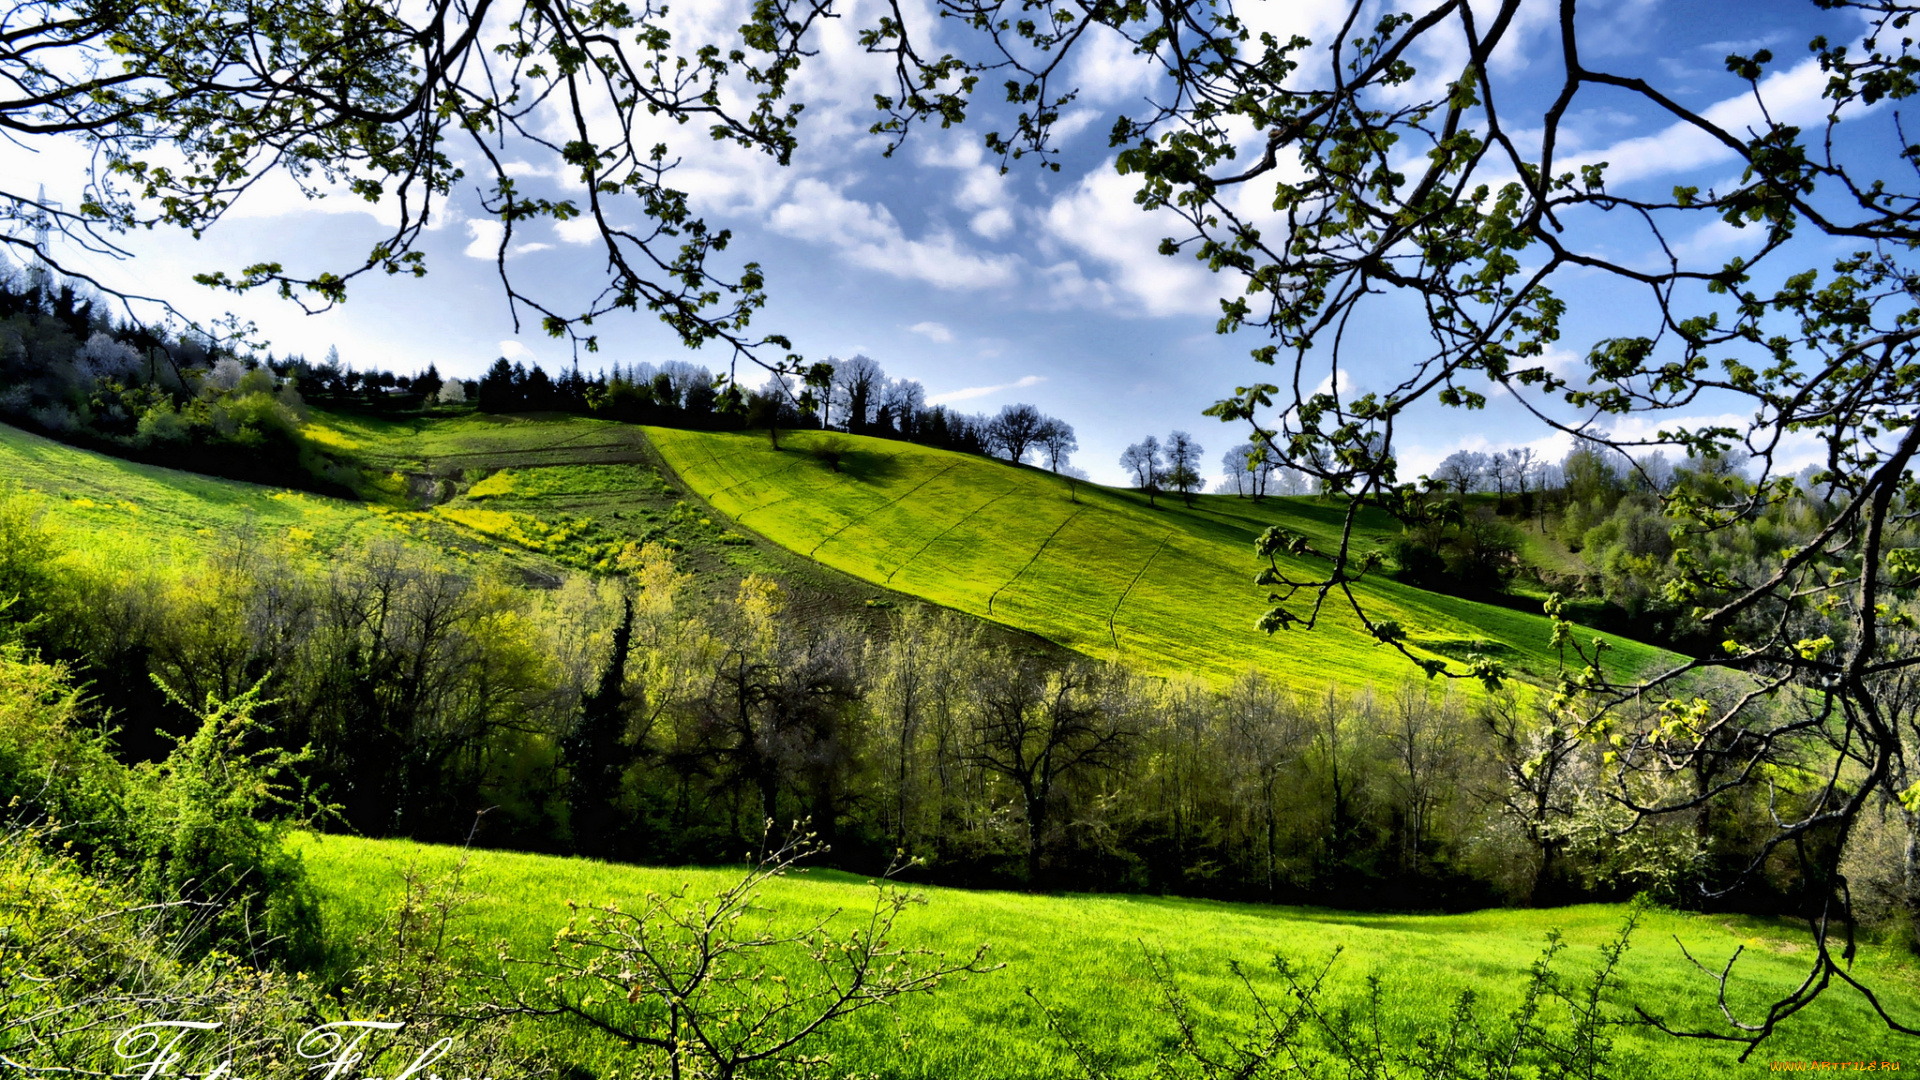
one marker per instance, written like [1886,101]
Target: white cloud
[993,224]
[485,243]
[513,350]
[1099,217]
[1792,96]
[935,331]
[578,230]
[971,392]
[1108,71]
[982,190]
[867,234]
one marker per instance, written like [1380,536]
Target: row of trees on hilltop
[69,371]
[853,395]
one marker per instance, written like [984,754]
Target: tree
[595,751]
[1016,430]
[498,389]
[1496,237]
[1143,460]
[1463,470]
[858,386]
[1250,470]
[1057,439]
[1037,730]
[187,109]
[1183,464]
[428,384]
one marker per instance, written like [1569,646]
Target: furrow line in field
[1129,589]
[796,463]
[742,515]
[886,506]
[1037,552]
[964,518]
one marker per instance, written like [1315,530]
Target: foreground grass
[1166,589]
[1083,956]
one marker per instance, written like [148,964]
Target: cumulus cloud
[1098,217]
[971,392]
[867,234]
[513,350]
[485,239]
[935,331]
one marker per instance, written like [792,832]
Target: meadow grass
[1084,956]
[1165,589]
[113,503]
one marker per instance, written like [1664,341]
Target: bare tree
[858,388]
[1143,460]
[712,987]
[1183,464]
[1016,430]
[1038,730]
[1057,439]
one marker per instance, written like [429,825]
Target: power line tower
[40,271]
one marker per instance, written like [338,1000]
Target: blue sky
[988,289]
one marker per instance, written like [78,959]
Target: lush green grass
[1083,956]
[1165,589]
[121,503]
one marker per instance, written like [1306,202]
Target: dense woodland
[624,716]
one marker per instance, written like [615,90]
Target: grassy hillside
[547,489]
[1083,955]
[532,498]
[1164,589]
[123,503]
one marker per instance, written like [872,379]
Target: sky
[989,289]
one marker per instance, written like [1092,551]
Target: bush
[195,829]
[210,823]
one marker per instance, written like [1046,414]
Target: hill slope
[1167,590]
[1164,589]
[1085,957]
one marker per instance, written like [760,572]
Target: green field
[166,512]
[1164,589]
[1083,956]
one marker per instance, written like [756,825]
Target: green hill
[158,512]
[1165,589]
[1085,956]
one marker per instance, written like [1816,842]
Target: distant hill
[1164,589]
[1167,590]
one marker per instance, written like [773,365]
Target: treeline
[854,395]
[1604,512]
[628,718]
[69,371]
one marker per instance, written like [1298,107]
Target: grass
[1083,956]
[160,511]
[1166,589]
[1163,589]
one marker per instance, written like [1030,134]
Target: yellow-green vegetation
[1166,589]
[536,520]
[116,503]
[1085,957]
